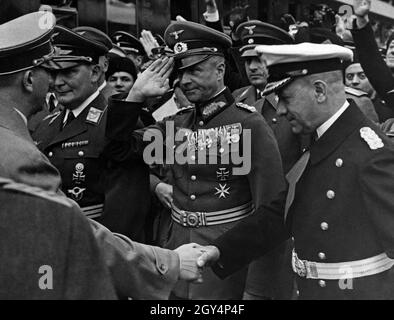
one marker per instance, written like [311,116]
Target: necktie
[51,103]
[293,177]
[70,118]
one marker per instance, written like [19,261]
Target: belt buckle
[191,219]
[299,266]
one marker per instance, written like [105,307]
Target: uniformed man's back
[47,248]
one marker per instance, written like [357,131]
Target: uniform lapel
[345,125]
[77,126]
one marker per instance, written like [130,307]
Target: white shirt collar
[326,125]
[22,116]
[102,86]
[78,111]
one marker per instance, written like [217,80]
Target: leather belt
[93,212]
[202,219]
[341,270]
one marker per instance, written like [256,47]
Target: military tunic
[47,248]
[115,194]
[200,188]
[342,211]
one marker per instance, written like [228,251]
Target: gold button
[81,153]
[194,178]
[193,197]
[330,194]
[322,283]
[322,256]
[298,293]
[50,154]
[221,150]
[339,163]
[274,120]
[193,158]
[201,123]
[324,226]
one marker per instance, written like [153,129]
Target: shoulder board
[37,192]
[244,92]
[184,110]
[355,92]
[246,107]
[53,116]
[371,138]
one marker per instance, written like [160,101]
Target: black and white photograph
[197,155]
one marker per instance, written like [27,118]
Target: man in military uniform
[48,250]
[137,270]
[75,138]
[103,61]
[23,86]
[270,276]
[208,198]
[132,46]
[339,206]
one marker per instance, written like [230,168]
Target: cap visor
[274,87]
[250,53]
[183,65]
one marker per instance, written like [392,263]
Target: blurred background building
[155,15]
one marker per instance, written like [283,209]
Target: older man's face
[297,103]
[74,85]
[199,83]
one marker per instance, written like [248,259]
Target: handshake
[192,260]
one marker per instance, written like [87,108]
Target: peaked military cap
[25,42]
[255,32]
[128,43]
[287,62]
[72,48]
[190,39]
[95,35]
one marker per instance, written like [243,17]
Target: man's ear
[320,91]
[27,80]
[221,68]
[96,72]
[105,63]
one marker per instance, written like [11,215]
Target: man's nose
[119,83]
[57,80]
[355,80]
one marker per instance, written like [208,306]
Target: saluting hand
[153,82]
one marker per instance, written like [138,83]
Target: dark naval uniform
[339,207]
[208,198]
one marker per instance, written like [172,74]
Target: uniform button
[339,163]
[221,150]
[322,256]
[298,293]
[81,153]
[193,197]
[193,158]
[324,226]
[194,178]
[201,123]
[50,154]
[330,194]
[322,283]
[274,120]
